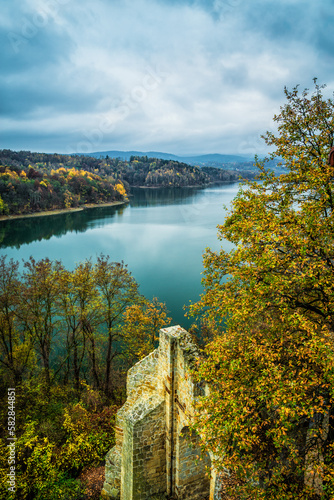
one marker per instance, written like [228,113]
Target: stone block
[110,493]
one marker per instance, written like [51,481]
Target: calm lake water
[161,235]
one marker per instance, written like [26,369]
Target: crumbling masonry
[155,453]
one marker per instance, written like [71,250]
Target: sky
[178,76]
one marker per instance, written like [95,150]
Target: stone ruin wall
[155,453]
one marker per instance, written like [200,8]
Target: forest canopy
[27,189]
[269,305]
[66,341]
[92,176]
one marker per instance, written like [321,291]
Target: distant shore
[62,210]
[208,184]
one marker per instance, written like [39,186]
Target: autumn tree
[16,347]
[88,312]
[79,309]
[142,323]
[269,417]
[117,290]
[38,311]
[70,326]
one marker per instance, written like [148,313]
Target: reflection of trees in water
[14,233]
[144,197]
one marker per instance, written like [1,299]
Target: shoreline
[59,211]
[184,187]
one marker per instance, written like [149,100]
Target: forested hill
[33,182]
[154,172]
[137,171]
[26,189]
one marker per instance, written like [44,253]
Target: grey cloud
[225,65]
[24,139]
[19,54]
[286,22]
[24,101]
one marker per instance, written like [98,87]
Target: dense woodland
[24,190]
[32,182]
[269,304]
[66,341]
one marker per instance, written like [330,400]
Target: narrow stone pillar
[168,337]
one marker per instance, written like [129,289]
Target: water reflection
[140,197]
[161,235]
[16,232]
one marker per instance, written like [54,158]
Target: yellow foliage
[71,173]
[9,174]
[75,419]
[3,207]
[142,323]
[60,170]
[68,199]
[120,189]
[271,368]
[84,444]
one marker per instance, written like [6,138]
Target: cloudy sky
[179,76]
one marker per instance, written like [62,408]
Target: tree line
[138,171]
[70,326]
[67,338]
[153,172]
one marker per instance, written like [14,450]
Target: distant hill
[48,181]
[217,159]
[202,160]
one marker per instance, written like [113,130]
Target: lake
[161,235]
